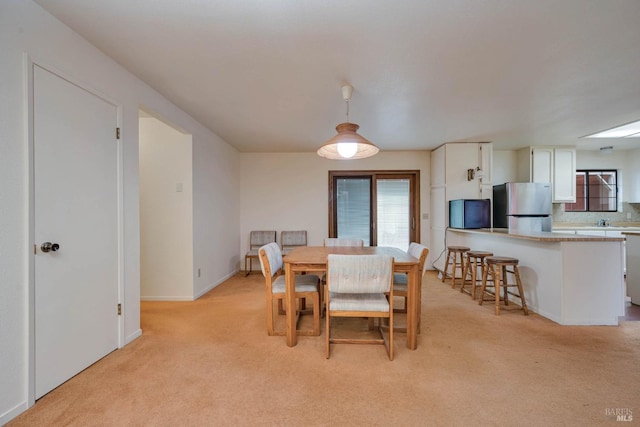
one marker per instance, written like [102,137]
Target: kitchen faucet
[603,222]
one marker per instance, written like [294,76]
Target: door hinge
[35,249]
[117,133]
[119,309]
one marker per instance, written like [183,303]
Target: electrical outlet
[628,215]
[425,216]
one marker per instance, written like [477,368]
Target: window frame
[587,172]
[373,175]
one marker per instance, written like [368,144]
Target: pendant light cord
[347,101]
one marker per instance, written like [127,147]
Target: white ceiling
[265,75]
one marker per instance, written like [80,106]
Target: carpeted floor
[210,362]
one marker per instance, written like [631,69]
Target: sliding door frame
[414,200]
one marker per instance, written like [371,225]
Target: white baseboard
[213,285]
[133,336]
[165,298]
[13,412]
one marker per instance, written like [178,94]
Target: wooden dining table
[314,258]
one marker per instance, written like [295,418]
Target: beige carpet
[210,362]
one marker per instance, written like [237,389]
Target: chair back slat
[419,251]
[261,238]
[341,241]
[294,238]
[273,257]
[359,273]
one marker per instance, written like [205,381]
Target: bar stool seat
[473,261]
[455,256]
[497,268]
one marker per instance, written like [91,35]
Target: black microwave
[470,213]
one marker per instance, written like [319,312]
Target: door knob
[48,246]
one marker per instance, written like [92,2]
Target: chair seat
[358,302]
[502,260]
[304,283]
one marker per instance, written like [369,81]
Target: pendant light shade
[347,144]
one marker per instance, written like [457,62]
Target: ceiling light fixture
[347,144]
[630,130]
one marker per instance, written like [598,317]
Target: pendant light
[347,144]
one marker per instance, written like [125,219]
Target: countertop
[543,236]
[631,226]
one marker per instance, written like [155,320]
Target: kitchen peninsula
[570,279]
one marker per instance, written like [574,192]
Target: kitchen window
[596,191]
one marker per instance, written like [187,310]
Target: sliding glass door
[393,223]
[353,208]
[379,207]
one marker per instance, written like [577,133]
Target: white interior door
[75,194]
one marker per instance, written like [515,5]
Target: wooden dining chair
[357,286]
[256,240]
[338,241]
[292,239]
[306,286]
[400,280]
[341,241]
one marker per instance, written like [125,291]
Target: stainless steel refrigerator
[523,207]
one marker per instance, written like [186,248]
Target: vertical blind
[354,217]
[393,197]
[354,208]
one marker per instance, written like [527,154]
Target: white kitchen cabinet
[601,233]
[632,259]
[486,163]
[449,181]
[564,174]
[542,165]
[555,165]
[632,176]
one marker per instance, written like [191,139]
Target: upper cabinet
[463,167]
[564,174]
[459,170]
[555,165]
[632,177]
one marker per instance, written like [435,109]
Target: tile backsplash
[559,215]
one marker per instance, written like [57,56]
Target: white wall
[166,214]
[290,191]
[26,28]
[505,166]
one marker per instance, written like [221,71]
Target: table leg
[290,305]
[413,308]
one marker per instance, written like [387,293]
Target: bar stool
[473,261]
[457,252]
[497,268]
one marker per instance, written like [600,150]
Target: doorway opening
[166,211]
